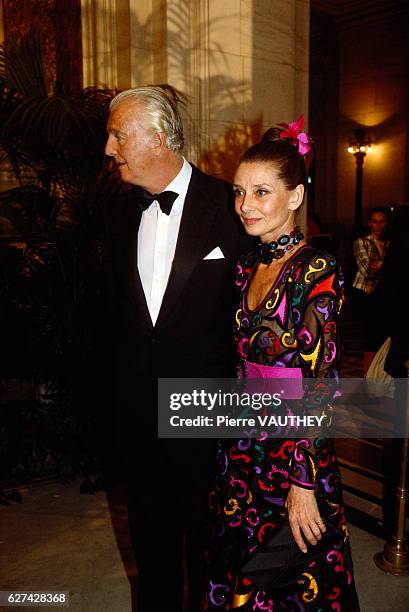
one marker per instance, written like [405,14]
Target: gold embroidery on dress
[240,600]
[312,269]
[270,304]
[312,356]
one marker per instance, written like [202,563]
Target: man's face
[131,146]
[377,224]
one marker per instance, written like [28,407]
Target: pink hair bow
[295,131]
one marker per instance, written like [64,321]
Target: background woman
[290,295]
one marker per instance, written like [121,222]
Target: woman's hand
[304,516]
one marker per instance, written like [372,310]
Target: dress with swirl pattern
[295,326]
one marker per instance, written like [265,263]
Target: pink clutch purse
[291,377]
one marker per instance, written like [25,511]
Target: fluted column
[106,43]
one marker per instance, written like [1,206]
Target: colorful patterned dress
[295,326]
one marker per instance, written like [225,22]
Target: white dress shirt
[157,237]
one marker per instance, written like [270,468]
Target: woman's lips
[250,221]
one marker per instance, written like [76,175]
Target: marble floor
[58,539]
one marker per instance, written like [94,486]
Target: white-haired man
[170,263]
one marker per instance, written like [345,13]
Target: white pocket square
[217,253]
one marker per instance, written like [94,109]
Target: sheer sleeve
[318,345]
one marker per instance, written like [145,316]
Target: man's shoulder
[363,240]
[217,194]
[213,187]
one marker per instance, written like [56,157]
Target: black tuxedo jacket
[193,333]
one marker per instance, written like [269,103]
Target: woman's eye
[261,192]
[238,193]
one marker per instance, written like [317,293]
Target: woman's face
[264,204]
[377,224]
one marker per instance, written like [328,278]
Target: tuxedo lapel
[198,217]
[131,281]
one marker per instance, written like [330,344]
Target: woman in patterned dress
[290,295]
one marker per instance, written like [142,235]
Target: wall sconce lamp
[359,147]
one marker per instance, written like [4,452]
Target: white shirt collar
[180,185]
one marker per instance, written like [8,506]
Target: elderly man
[170,263]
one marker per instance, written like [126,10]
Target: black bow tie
[165,199]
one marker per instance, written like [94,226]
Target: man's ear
[159,141]
[296,197]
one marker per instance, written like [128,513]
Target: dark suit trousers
[167,504]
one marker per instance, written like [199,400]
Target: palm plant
[52,290]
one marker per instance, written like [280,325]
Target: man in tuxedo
[170,260]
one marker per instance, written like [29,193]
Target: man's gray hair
[160,112]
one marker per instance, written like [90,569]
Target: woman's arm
[317,334]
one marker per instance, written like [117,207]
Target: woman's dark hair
[292,169]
